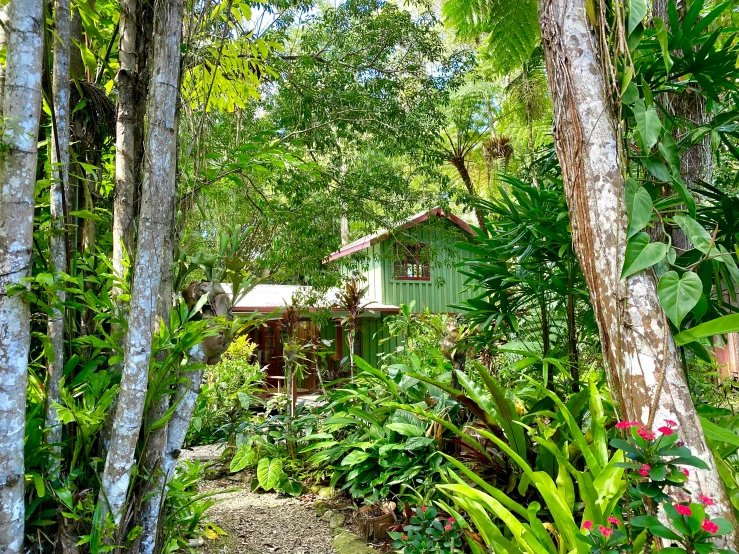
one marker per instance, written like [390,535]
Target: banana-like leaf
[598,424]
[506,414]
[499,495]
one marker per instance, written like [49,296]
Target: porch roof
[268,298]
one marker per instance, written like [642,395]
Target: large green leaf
[718,326]
[243,457]
[678,294]
[661,32]
[637,12]
[648,123]
[719,434]
[355,457]
[641,253]
[639,211]
[269,473]
[696,234]
[407,429]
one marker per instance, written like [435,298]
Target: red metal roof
[368,240]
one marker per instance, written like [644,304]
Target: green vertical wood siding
[446,286]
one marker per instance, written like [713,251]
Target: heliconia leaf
[718,326]
[637,12]
[639,211]
[641,253]
[678,295]
[648,123]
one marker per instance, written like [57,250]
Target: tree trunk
[461,168]
[187,395]
[58,194]
[154,490]
[125,137]
[158,193]
[645,374]
[21,104]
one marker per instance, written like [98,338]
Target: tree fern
[509,28]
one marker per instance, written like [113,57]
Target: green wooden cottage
[415,262]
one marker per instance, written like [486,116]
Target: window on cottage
[412,262]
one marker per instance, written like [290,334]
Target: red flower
[447,527]
[644,471]
[646,434]
[587,525]
[423,509]
[451,520]
[404,537]
[671,423]
[605,531]
[626,424]
[683,510]
[614,520]
[686,472]
[666,431]
[707,501]
[709,526]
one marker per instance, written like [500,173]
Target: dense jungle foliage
[161,160]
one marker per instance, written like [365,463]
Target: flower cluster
[656,458]
[426,532]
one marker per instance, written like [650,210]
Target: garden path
[268,523]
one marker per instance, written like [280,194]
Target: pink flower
[447,527]
[646,434]
[626,424]
[707,501]
[423,509]
[404,537]
[587,525]
[683,510]
[686,472]
[709,526]
[614,520]
[605,531]
[666,431]
[644,471]
[671,423]
[451,520]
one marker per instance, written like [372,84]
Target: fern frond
[509,28]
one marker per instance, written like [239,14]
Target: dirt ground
[262,523]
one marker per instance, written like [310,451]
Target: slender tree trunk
[645,374]
[58,194]
[158,193]
[154,490]
[125,137]
[188,391]
[464,173]
[21,105]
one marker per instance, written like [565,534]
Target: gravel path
[261,523]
